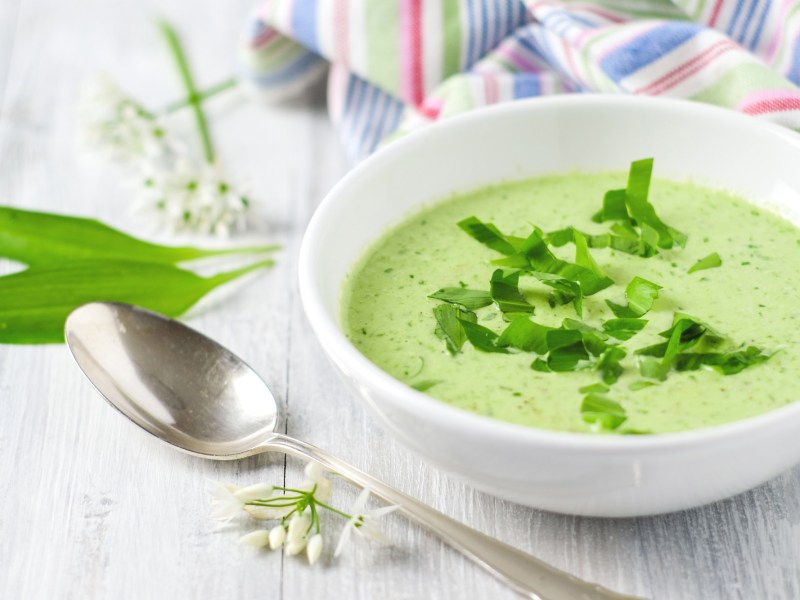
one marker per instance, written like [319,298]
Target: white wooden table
[90,507]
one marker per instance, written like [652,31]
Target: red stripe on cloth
[773,105]
[687,69]
[415,31]
[715,13]
[490,89]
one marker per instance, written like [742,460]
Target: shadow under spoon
[196,395]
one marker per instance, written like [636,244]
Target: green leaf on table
[40,239]
[709,262]
[449,325]
[505,292]
[602,412]
[641,295]
[469,299]
[35,303]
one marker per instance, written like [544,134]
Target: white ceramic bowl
[562,472]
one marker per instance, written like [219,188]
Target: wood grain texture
[90,507]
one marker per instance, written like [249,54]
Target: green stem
[193,97]
[202,95]
[335,510]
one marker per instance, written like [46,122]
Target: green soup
[388,315]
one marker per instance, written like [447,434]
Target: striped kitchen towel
[394,65]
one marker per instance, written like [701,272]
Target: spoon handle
[524,573]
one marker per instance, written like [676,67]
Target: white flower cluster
[298,512]
[185,194]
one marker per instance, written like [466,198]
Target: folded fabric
[398,64]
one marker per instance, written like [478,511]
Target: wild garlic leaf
[505,292]
[523,334]
[487,234]
[624,328]
[614,207]
[631,208]
[726,363]
[597,388]
[449,326]
[35,303]
[482,338]
[609,364]
[40,239]
[709,262]
[425,384]
[641,295]
[602,412]
[469,299]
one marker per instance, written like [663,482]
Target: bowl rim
[335,342]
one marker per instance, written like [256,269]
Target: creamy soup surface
[750,298]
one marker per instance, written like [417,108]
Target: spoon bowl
[192,393]
[172,381]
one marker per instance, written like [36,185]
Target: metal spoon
[190,392]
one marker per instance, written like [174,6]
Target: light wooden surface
[90,507]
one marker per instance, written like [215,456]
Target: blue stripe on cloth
[304,23]
[373,98]
[747,23]
[483,44]
[292,70]
[736,12]
[355,113]
[512,7]
[794,72]
[470,33]
[760,26]
[647,48]
[531,45]
[526,86]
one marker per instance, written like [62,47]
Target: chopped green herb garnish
[488,235]
[505,292]
[640,385]
[469,299]
[482,338]
[624,328]
[641,295]
[602,412]
[449,321]
[597,388]
[709,262]
[728,363]
[609,363]
[425,385]
[632,208]
[523,334]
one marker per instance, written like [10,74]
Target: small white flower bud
[259,491]
[295,547]
[314,548]
[298,527]
[313,471]
[266,513]
[277,536]
[257,539]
